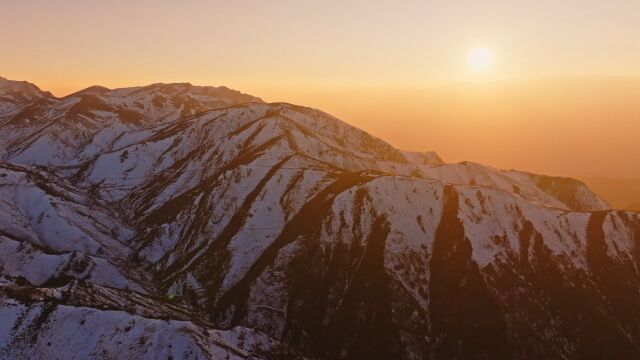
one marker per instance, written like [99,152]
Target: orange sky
[396,68]
[277,47]
[571,126]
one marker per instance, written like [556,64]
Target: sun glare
[480,59]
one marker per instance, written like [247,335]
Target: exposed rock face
[225,226]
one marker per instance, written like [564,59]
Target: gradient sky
[372,64]
[278,47]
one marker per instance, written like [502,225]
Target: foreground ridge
[181,221]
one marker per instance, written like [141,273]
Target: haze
[559,98]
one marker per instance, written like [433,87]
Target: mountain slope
[231,214]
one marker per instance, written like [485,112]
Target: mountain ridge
[295,231]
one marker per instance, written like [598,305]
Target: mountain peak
[91,90]
[197,90]
[22,92]
[159,101]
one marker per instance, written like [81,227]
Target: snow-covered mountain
[196,222]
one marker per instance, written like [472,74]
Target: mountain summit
[176,221]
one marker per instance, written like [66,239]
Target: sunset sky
[464,78]
[277,47]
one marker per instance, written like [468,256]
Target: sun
[480,59]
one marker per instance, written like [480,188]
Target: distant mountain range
[174,221]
